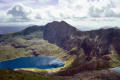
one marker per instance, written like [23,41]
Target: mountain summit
[59,32]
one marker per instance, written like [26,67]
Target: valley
[86,53]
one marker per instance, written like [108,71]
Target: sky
[79,13]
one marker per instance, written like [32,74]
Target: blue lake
[41,62]
[116,69]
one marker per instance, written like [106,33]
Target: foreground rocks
[94,75]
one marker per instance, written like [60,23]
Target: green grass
[115,60]
[14,75]
[40,46]
[9,52]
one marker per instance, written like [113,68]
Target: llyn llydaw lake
[41,62]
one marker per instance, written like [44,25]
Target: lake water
[116,69]
[41,62]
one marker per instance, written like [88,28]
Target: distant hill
[10,29]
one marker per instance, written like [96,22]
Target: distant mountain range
[11,29]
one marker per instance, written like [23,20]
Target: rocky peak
[57,22]
[59,32]
[59,25]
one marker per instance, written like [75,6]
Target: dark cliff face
[60,33]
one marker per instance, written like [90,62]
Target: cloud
[91,8]
[79,9]
[95,12]
[103,12]
[110,12]
[73,11]
[19,13]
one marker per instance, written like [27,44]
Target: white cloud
[3,17]
[92,8]
[77,11]
[106,11]
[19,13]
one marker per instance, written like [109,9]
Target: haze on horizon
[86,13]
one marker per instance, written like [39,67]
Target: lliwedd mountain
[88,50]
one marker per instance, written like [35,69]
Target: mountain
[94,43]
[11,29]
[89,50]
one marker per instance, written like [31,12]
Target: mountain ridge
[67,36]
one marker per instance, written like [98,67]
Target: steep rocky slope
[94,43]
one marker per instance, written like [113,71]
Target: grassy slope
[14,75]
[115,60]
[32,47]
